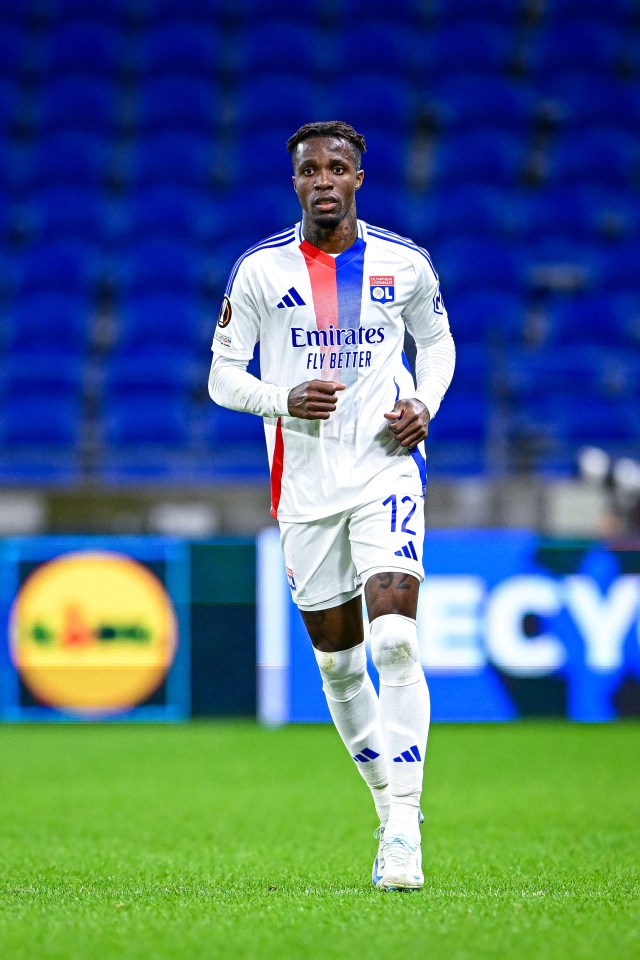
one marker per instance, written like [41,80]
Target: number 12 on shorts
[407,509]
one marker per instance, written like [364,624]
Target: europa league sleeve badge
[224,317]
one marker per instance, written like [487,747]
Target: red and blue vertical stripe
[336,289]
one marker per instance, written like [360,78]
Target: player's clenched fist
[314,399]
[409,422]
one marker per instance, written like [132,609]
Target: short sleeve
[238,325]
[425,315]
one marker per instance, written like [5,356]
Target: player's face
[325,179]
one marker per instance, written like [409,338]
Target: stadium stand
[142,150]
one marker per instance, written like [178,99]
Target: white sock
[404,714]
[353,704]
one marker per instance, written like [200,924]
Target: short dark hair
[330,128]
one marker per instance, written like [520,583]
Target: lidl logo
[93,632]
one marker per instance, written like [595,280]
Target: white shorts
[329,560]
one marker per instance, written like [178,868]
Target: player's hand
[409,421]
[314,399]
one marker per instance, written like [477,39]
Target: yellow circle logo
[93,632]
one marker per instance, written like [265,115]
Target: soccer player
[329,299]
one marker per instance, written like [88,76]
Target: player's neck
[332,240]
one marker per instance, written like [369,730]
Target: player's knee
[395,651]
[343,671]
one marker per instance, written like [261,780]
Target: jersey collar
[314,253]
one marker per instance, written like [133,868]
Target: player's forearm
[435,364]
[231,386]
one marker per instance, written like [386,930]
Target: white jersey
[334,318]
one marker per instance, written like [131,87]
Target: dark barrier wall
[144,628]
[511,625]
[223,628]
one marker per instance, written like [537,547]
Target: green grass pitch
[224,840]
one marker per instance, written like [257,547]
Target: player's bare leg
[392,601]
[338,639]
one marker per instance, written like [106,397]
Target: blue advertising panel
[510,624]
[94,628]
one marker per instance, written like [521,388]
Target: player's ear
[293,181]
[359,179]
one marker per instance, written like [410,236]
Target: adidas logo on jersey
[409,756]
[291,299]
[408,551]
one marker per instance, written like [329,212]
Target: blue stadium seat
[575,419]
[184,48]
[568,212]
[620,268]
[590,318]
[472,374]
[478,44]
[86,104]
[269,144]
[290,104]
[257,11]
[41,419]
[579,44]
[591,212]
[144,375]
[479,156]
[12,50]
[160,265]
[54,323]
[566,264]
[502,11]
[464,418]
[38,370]
[615,10]
[171,10]
[261,212]
[374,102]
[172,157]
[160,324]
[73,10]
[41,401]
[178,102]
[65,267]
[602,156]
[583,98]
[385,162]
[360,10]
[82,47]
[366,43]
[230,428]
[492,317]
[167,210]
[277,42]
[146,420]
[473,208]
[466,100]
[235,446]
[394,208]
[8,105]
[468,263]
[73,213]
[626,310]
[555,369]
[77,159]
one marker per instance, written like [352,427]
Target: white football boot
[378,863]
[402,863]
